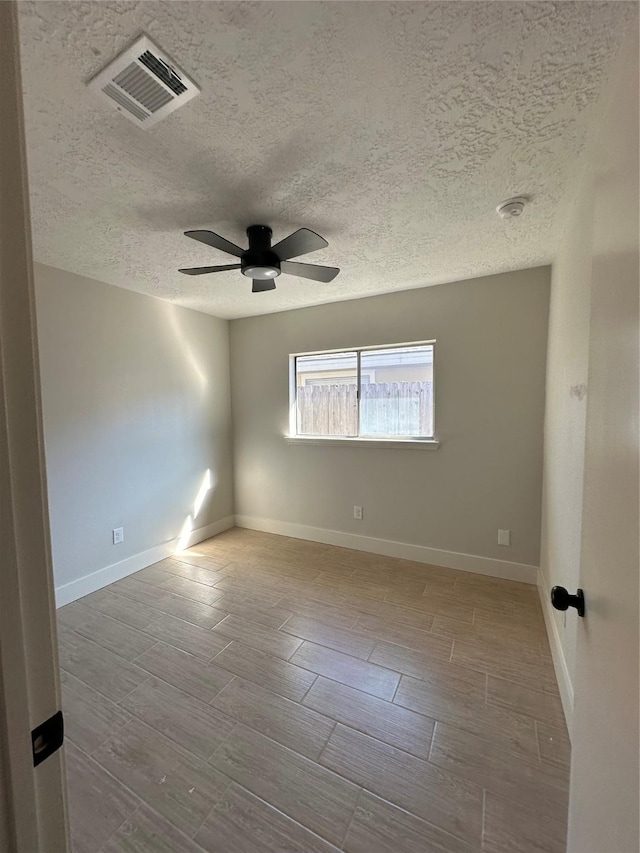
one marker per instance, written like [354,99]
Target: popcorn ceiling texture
[392,129]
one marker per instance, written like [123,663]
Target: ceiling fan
[263,262]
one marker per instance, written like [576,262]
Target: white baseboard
[80,587]
[388,548]
[557,654]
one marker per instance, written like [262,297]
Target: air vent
[143,84]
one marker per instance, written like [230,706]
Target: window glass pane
[327,394]
[398,397]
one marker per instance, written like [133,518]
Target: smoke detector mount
[512,207]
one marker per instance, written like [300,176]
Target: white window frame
[406,442]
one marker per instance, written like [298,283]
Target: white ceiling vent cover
[143,84]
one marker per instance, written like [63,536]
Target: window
[370,393]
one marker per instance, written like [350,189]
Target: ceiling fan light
[261,273]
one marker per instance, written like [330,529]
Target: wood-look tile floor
[260,694]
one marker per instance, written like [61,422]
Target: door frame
[605,772]
[32,799]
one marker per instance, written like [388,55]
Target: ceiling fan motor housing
[259,261]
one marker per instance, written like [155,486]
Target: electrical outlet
[504,537]
[357,512]
[118,535]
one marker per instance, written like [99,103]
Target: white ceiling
[392,129]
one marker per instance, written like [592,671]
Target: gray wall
[489,380]
[136,408]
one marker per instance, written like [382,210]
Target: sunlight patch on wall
[206,485]
[186,348]
[205,488]
[185,533]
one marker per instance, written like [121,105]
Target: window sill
[333,441]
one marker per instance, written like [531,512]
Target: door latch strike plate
[47,738]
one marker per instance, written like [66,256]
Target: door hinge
[47,738]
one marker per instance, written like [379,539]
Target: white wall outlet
[118,535]
[504,537]
[357,512]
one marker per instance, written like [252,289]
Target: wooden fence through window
[386,408]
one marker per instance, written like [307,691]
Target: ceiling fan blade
[312,271]
[301,242]
[261,284]
[204,270]
[216,241]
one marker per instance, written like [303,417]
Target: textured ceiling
[392,129]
